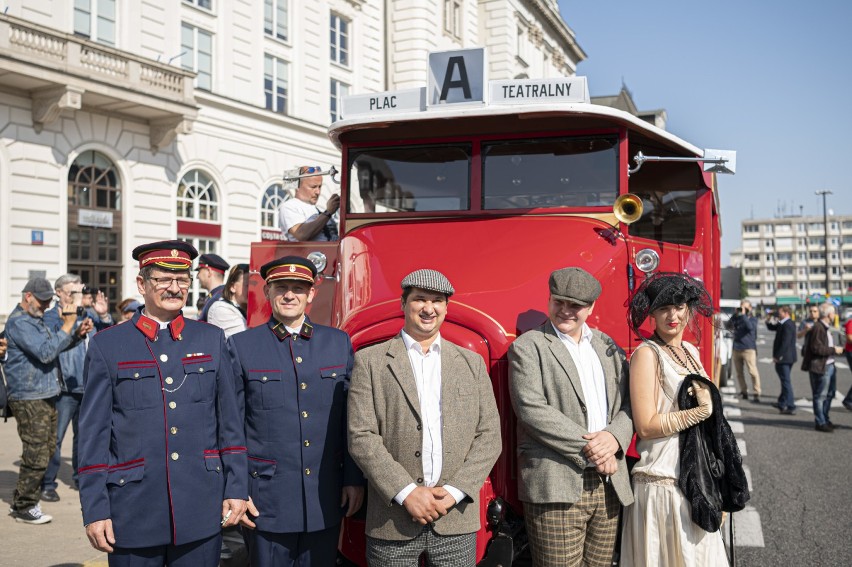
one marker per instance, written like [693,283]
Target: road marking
[730,400]
[747,472]
[747,528]
[736,426]
[765,360]
[742,445]
[728,390]
[732,412]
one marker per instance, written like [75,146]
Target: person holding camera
[744,326]
[784,355]
[33,383]
[70,291]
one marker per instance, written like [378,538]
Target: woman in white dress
[658,528]
[229,312]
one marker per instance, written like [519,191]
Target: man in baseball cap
[32,376]
[571,457]
[427,503]
[306,482]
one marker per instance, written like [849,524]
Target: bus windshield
[410,179]
[550,172]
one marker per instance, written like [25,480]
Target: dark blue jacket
[784,345]
[745,331]
[214,296]
[161,439]
[293,392]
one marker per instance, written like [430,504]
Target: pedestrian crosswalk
[748,531]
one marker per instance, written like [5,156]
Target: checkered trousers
[440,551]
[570,535]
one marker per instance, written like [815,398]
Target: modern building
[783,260]
[126,121]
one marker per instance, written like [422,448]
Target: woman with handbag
[658,528]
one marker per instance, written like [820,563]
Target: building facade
[783,260]
[125,121]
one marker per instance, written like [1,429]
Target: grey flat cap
[575,285]
[40,288]
[431,280]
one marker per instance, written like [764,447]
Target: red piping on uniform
[330,367]
[135,463]
[92,469]
[262,460]
[137,364]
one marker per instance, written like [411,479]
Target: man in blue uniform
[293,379]
[211,275]
[162,444]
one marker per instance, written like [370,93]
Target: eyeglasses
[311,169]
[166,283]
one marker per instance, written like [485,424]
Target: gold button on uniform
[303,386]
[299,359]
[169,380]
[164,357]
[304,414]
[175,456]
[172,405]
[307,443]
[307,471]
[173,430]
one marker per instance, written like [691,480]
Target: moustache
[169,295]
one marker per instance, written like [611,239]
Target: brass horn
[627,208]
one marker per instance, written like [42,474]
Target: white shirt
[295,211]
[227,317]
[427,377]
[591,377]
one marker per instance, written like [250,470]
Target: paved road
[799,513]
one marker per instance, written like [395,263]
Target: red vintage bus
[497,193]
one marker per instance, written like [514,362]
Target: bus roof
[595,114]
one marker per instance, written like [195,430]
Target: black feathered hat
[668,288]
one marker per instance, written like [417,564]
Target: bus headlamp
[647,260]
[319,260]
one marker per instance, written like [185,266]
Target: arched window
[273,197]
[94,223]
[196,197]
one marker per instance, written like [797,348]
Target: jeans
[786,400]
[823,387]
[68,410]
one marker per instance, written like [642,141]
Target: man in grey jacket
[424,429]
[569,389]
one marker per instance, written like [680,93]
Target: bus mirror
[720,161]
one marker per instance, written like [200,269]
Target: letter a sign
[456,77]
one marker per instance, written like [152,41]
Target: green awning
[846,299]
[789,301]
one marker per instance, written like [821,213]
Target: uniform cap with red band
[213,262]
[166,254]
[289,268]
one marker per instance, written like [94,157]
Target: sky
[769,79]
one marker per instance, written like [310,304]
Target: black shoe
[776,405]
[825,428]
[49,495]
[788,411]
[755,399]
[847,405]
[31,516]
[744,395]
[831,425]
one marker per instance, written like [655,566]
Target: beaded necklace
[690,363]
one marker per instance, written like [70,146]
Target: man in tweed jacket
[424,429]
[569,388]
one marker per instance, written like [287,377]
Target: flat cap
[431,280]
[40,288]
[575,285]
[131,307]
[166,254]
[289,268]
[214,262]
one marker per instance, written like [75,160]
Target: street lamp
[825,192]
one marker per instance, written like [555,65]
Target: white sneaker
[32,516]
